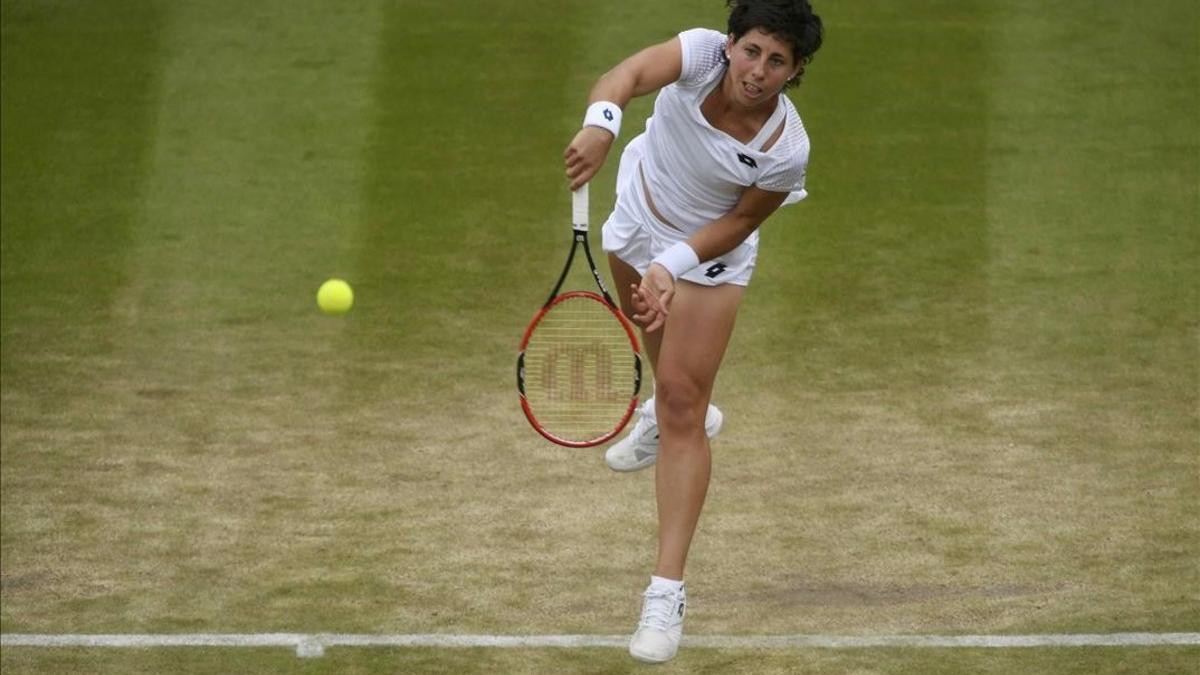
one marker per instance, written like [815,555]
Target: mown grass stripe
[313,645]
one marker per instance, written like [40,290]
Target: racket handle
[579,208]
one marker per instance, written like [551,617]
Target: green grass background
[963,395]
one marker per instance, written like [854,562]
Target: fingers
[640,307]
[659,308]
[650,320]
[580,177]
[639,304]
[578,169]
[585,155]
[652,306]
[643,313]
[653,321]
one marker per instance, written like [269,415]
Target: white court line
[314,644]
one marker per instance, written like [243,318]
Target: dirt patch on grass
[878,595]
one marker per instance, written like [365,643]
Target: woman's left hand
[652,299]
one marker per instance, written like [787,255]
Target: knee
[680,403]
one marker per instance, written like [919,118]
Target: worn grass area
[1131,661]
[962,397]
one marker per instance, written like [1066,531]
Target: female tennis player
[723,150]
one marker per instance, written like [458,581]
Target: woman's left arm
[653,296]
[727,232]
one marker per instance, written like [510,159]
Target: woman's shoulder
[794,139]
[786,161]
[702,36]
[703,51]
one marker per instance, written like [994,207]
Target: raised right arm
[643,73]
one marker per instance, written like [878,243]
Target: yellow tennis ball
[335,297]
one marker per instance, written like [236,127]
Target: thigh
[624,277]
[696,334]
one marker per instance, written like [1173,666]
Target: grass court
[963,396]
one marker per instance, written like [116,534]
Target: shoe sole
[647,659]
[632,469]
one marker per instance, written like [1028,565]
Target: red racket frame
[633,343]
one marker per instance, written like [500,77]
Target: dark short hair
[792,21]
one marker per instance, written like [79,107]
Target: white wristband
[678,259]
[604,114]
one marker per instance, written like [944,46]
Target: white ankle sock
[666,584]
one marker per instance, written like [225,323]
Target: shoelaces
[659,609]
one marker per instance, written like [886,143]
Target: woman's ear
[799,69]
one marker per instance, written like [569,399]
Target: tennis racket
[579,369]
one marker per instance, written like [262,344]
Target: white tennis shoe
[661,628]
[639,449]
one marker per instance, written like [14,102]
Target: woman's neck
[724,112]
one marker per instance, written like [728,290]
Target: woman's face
[759,66]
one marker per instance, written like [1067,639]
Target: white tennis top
[696,173]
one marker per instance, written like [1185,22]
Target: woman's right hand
[586,154]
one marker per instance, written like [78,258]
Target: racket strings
[580,369]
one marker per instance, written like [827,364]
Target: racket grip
[579,207]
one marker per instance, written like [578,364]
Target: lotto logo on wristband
[604,114]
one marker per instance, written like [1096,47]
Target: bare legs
[685,356]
